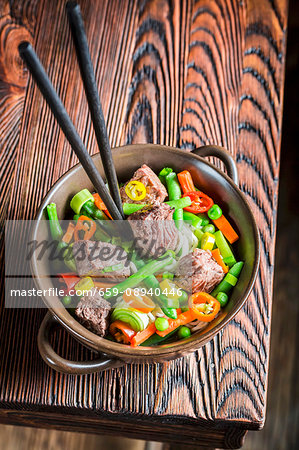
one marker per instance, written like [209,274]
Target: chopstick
[50,95]
[92,95]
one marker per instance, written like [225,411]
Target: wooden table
[182,73]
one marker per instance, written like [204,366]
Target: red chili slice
[200,202]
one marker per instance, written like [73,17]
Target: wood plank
[20,438]
[183,73]
[198,433]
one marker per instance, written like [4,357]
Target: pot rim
[98,343]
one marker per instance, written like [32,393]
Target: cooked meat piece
[155,190]
[198,271]
[92,257]
[154,228]
[93,312]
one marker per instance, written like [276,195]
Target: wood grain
[13,82]
[180,73]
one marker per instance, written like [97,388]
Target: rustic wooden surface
[179,73]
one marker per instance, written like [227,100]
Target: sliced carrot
[218,258]
[107,213]
[101,205]
[143,335]
[183,319]
[103,284]
[69,233]
[99,202]
[186,181]
[223,224]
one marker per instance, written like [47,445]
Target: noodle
[196,325]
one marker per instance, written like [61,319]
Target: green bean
[222,298]
[130,208]
[229,281]
[183,298]
[204,219]
[193,219]
[173,186]
[164,172]
[148,269]
[55,228]
[224,248]
[179,203]
[57,234]
[236,269]
[168,305]
[156,339]
[90,210]
[174,193]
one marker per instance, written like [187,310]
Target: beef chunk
[198,271]
[93,312]
[92,257]
[154,228]
[155,190]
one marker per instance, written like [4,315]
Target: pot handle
[223,155]
[63,365]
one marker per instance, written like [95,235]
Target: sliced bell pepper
[204,306]
[186,181]
[200,202]
[86,224]
[122,332]
[84,284]
[135,190]
[69,280]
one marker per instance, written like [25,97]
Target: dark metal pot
[127,159]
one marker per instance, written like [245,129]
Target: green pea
[222,298]
[161,323]
[215,212]
[209,228]
[67,300]
[184,332]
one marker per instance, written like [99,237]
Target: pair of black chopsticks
[113,201]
